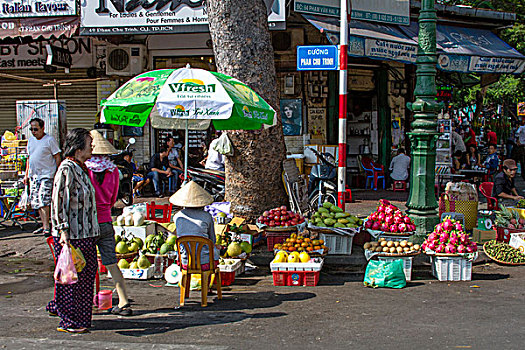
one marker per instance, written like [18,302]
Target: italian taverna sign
[37,8]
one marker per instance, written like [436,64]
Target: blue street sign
[319,57]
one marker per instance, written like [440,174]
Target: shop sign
[37,27]
[37,8]
[320,57]
[496,65]
[444,93]
[155,16]
[392,11]
[58,56]
[521,109]
[33,55]
[390,50]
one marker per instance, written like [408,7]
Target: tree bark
[243,50]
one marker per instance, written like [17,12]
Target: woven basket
[467,208]
[500,261]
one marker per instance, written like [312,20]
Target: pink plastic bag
[65,271]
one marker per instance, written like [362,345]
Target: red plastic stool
[348,196]
[402,186]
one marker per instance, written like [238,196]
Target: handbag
[385,274]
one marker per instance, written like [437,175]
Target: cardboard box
[517,240]
[136,274]
[135,231]
[482,236]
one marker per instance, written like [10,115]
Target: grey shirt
[196,222]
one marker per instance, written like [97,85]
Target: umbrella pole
[186,150]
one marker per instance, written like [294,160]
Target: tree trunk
[243,50]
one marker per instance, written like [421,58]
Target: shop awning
[465,50]
[45,27]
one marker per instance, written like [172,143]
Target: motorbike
[212,181]
[125,188]
[322,181]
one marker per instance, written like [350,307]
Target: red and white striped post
[343,91]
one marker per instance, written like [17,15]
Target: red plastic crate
[295,278]
[503,233]
[273,238]
[227,278]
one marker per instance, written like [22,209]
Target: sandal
[73,330]
[38,231]
[122,311]
[47,233]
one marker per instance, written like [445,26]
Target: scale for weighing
[485,220]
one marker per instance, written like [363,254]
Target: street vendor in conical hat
[194,221]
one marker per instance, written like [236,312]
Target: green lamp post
[422,202]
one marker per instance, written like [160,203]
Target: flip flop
[73,330]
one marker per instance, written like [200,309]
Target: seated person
[175,164]
[460,162]
[159,170]
[399,166]
[473,157]
[491,163]
[194,221]
[504,189]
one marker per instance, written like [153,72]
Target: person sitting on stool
[504,189]
[399,166]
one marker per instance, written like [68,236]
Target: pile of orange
[301,244]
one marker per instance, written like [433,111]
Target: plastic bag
[224,145]
[386,274]
[65,272]
[78,258]
[23,203]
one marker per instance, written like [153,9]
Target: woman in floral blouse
[74,219]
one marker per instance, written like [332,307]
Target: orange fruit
[287,239]
[293,235]
[299,241]
[321,241]
[297,245]
[317,247]
[315,242]
[304,245]
[310,249]
[292,240]
[307,239]
[323,246]
[291,249]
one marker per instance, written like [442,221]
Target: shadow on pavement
[229,309]
[489,276]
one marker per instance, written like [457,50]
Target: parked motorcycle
[125,188]
[211,180]
[322,181]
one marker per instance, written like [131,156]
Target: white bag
[23,203]
[224,145]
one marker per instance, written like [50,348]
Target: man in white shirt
[519,153]
[215,160]
[43,160]
[399,166]
[457,143]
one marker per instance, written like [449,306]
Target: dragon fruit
[385,227]
[447,225]
[369,223]
[462,248]
[381,209]
[394,228]
[384,202]
[432,237]
[458,226]
[407,220]
[389,219]
[472,247]
[398,220]
[431,245]
[376,226]
[440,248]
[444,237]
[373,216]
[450,249]
[381,217]
[402,227]
[438,228]
[463,238]
[424,245]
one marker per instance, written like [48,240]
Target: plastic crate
[273,238]
[296,278]
[407,265]
[315,265]
[228,272]
[451,268]
[227,278]
[503,233]
[338,244]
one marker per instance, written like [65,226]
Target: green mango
[343,221]
[338,224]
[353,219]
[341,215]
[360,222]
[327,205]
[350,225]
[322,210]
[335,209]
[329,222]
[321,224]
[325,215]
[318,220]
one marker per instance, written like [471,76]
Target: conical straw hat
[101,145]
[191,195]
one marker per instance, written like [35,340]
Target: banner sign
[153,17]
[37,8]
[36,27]
[381,49]
[33,55]
[392,11]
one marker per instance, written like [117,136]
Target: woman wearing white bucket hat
[104,176]
[194,221]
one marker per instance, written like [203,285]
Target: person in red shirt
[492,138]
[470,137]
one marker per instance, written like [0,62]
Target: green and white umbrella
[187,98]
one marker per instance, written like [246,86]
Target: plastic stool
[348,196]
[402,186]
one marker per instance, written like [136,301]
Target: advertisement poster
[317,122]
[143,17]
[292,116]
[521,109]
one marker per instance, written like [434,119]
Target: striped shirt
[73,204]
